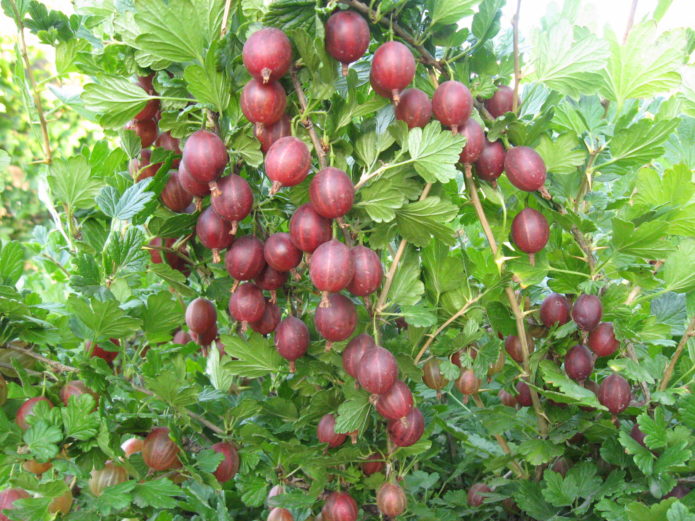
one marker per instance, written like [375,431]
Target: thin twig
[394,264]
[29,371]
[306,121]
[32,81]
[425,55]
[630,20]
[690,331]
[517,67]
[585,247]
[630,350]
[225,17]
[57,365]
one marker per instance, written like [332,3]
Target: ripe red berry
[490,163]
[76,388]
[229,466]
[26,410]
[507,399]
[287,163]
[291,339]
[146,130]
[271,133]
[415,108]
[377,87]
[523,396]
[280,514]
[530,231]
[168,142]
[354,351]
[587,312]
[561,466]
[373,464]
[141,167]
[112,474]
[214,232]
[406,431]
[308,229]
[347,37]
[555,309]
[615,393]
[271,279]
[579,363]
[501,102]
[245,260]
[280,253]
[367,271]
[468,383]
[475,141]
[159,451]
[205,338]
[393,67]
[7,499]
[233,199]
[525,168]
[377,370]
[269,321]
[205,156]
[602,340]
[396,402]
[148,112]
[247,303]
[267,54]
[391,500]
[263,104]
[181,337]
[331,192]
[337,320]
[476,493]
[174,196]
[679,491]
[145,83]
[340,506]
[637,435]
[331,267]
[191,184]
[95,351]
[452,103]
[432,375]
[201,315]
[325,432]
[513,346]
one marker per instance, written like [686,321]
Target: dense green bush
[92,295]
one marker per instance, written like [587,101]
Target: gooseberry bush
[342,260]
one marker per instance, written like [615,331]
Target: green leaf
[677,272]
[253,491]
[11,263]
[679,512]
[208,460]
[555,491]
[172,386]
[420,315]
[353,412]
[124,253]
[102,319]
[447,12]
[672,188]
[174,278]
[569,388]
[538,452]
[646,241]
[420,221]
[255,357]
[127,205]
[158,493]
[115,497]
[42,440]
[248,148]
[4,160]
[642,457]
[207,84]
[78,418]
[657,512]
[220,378]
[407,288]
[72,184]
[567,64]
[117,100]
[561,156]
[647,64]
[380,199]
[486,22]
[435,152]
[162,315]
[530,499]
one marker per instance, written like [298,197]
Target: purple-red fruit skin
[377,370]
[340,506]
[490,164]
[291,338]
[205,156]
[331,192]
[602,340]
[145,129]
[269,321]
[245,260]
[247,303]
[347,36]
[288,161]
[201,315]
[530,230]
[337,321]
[523,396]
[475,499]
[354,351]
[267,54]
[525,168]
[555,309]
[452,103]
[414,107]
[587,312]
[406,431]
[234,200]
[475,141]
[308,229]
[615,393]
[368,271]
[281,253]
[263,104]
[326,432]
[271,133]
[512,344]
[271,279]
[331,267]
[501,102]
[393,66]
[191,184]
[213,231]
[579,363]
[229,466]
[396,402]
[174,196]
